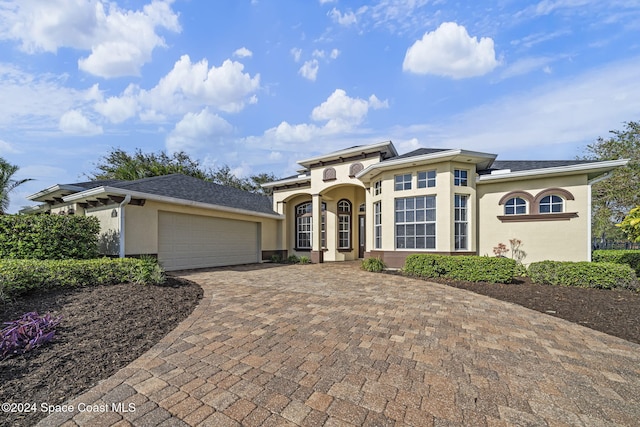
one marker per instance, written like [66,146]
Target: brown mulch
[612,311]
[103,329]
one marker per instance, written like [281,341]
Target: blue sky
[260,84]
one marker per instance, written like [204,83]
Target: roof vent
[500,171]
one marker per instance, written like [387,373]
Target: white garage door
[193,241]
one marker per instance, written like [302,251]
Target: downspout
[589,184]
[126,200]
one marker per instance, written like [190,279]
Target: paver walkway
[330,345]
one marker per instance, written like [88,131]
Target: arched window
[515,206]
[344,224]
[304,229]
[551,204]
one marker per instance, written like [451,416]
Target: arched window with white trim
[515,206]
[344,224]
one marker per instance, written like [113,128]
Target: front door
[361,236]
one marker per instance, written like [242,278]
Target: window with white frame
[304,227]
[426,179]
[551,204]
[461,222]
[344,224]
[515,206]
[415,220]
[377,225]
[403,182]
[377,188]
[460,177]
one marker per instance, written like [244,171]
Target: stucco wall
[109,237]
[564,240]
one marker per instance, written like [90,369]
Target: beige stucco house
[368,201]
[364,201]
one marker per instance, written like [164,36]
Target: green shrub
[631,257]
[275,258]
[293,259]
[374,265]
[19,276]
[48,237]
[305,260]
[471,268]
[605,275]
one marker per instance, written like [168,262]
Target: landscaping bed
[103,329]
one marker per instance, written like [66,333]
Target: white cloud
[119,109]
[341,112]
[243,52]
[197,130]
[318,53]
[450,51]
[120,41]
[75,123]
[346,19]
[525,66]
[334,53]
[296,53]
[309,70]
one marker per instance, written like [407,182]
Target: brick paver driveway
[331,345]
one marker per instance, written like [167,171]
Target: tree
[7,183]
[615,196]
[630,225]
[119,164]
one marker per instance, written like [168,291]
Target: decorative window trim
[355,168]
[329,174]
[344,217]
[562,216]
[516,205]
[522,194]
[566,195]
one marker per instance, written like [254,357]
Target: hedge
[20,276]
[469,267]
[48,237]
[605,275]
[628,256]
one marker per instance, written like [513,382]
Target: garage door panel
[193,241]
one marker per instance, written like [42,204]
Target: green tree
[118,164]
[615,196]
[7,183]
[630,225]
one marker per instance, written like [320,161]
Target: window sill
[302,249]
[345,249]
[562,216]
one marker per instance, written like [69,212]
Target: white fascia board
[603,167]
[53,189]
[34,209]
[94,192]
[348,151]
[286,181]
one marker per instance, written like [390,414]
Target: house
[364,201]
[368,201]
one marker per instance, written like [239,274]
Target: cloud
[75,123]
[449,51]
[525,66]
[120,41]
[346,19]
[334,53]
[296,53]
[243,52]
[119,109]
[343,112]
[197,130]
[309,70]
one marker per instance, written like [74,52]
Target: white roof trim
[53,189]
[352,150]
[286,181]
[173,200]
[562,170]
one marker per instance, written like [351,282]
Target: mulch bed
[103,329]
[612,311]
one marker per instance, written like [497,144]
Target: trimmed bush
[604,275]
[374,265]
[628,256]
[48,237]
[20,276]
[293,259]
[471,268]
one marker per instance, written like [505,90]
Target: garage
[194,241]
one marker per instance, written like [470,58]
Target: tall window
[460,177]
[303,225]
[377,188]
[403,182]
[551,204]
[461,222]
[304,229]
[515,206]
[344,224]
[426,179]
[416,222]
[377,225]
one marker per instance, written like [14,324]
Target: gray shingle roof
[94,184]
[522,165]
[193,189]
[418,152]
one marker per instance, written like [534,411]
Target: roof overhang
[592,170]
[481,160]
[289,181]
[115,194]
[55,191]
[386,148]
